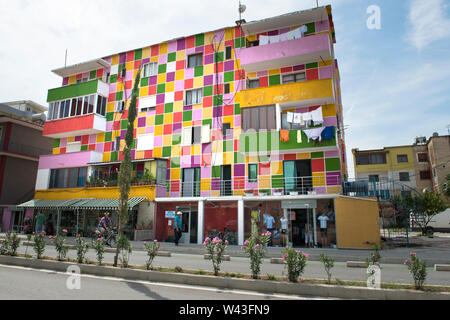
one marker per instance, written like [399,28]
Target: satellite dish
[242,8]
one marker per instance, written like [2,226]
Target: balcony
[308,93]
[75,126]
[78,90]
[268,142]
[287,53]
[242,186]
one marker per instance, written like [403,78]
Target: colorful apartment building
[232,125]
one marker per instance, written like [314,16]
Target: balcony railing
[26,150]
[275,186]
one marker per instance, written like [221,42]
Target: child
[308,237]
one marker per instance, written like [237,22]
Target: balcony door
[191,182]
[225,181]
[298,176]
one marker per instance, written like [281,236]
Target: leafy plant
[125,249]
[328,264]
[215,249]
[60,246]
[418,270]
[295,263]
[152,249]
[178,269]
[375,256]
[256,248]
[82,247]
[38,244]
[99,248]
[271,277]
[4,247]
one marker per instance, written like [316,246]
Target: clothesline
[304,119]
[322,133]
[294,34]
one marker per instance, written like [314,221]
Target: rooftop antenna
[242,8]
[317,3]
[65,60]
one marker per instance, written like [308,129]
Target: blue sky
[395,81]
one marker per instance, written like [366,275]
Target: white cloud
[427,22]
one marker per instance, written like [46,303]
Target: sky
[395,79]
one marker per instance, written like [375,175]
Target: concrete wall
[421,166]
[357,222]
[439,155]
[18,181]
[32,140]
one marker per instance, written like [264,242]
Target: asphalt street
[390,273]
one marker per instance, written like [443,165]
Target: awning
[73,204]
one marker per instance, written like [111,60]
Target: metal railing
[275,186]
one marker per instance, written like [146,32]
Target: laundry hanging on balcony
[314,134]
[328,133]
[284,135]
[294,34]
[299,136]
[302,119]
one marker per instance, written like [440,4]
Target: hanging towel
[290,117]
[314,134]
[284,135]
[263,40]
[290,35]
[274,39]
[328,133]
[298,34]
[299,136]
[307,117]
[317,116]
[298,118]
[303,29]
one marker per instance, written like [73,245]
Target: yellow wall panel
[175,174]
[146,53]
[276,167]
[157,152]
[161,78]
[329,110]
[143,92]
[170,87]
[176,151]
[159,130]
[274,72]
[179,75]
[198,82]
[208,69]
[303,156]
[181,55]
[163,48]
[178,106]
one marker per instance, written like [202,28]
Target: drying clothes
[284,135]
[298,118]
[328,133]
[283,37]
[314,134]
[317,116]
[290,117]
[298,34]
[290,35]
[274,39]
[263,40]
[299,136]
[307,117]
[303,29]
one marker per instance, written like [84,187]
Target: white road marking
[169,285]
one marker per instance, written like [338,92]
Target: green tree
[126,166]
[446,187]
[425,207]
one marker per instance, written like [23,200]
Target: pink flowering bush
[418,270]
[215,248]
[10,245]
[152,249]
[38,244]
[59,242]
[256,248]
[295,263]
[99,247]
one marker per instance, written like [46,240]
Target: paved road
[390,273]
[23,283]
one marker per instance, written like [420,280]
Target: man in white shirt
[324,229]
[269,222]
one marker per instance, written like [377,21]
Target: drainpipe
[241,222]
[200,221]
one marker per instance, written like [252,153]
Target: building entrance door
[302,228]
[17,221]
[189,221]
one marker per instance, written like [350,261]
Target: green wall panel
[74,90]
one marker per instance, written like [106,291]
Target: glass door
[289,176]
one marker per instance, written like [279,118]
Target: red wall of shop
[220,218]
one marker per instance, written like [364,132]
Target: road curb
[265,286]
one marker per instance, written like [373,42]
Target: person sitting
[104,224]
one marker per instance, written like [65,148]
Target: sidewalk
[433,251]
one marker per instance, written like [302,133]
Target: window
[253,173]
[79,105]
[371,158]
[150,69]
[402,158]
[422,157]
[68,178]
[107,77]
[227,88]
[120,106]
[147,104]
[252,83]
[145,142]
[403,176]
[117,144]
[425,175]
[191,182]
[259,118]
[82,80]
[73,147]
[294,77]
[375,178]
[194,97]
[196,135]
[228,53]
[195,60]
[101,105]
[226,129]
[123,72]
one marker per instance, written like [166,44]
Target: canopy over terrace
[79,204]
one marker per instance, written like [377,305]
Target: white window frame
[196,93]
[188,135]
[147,103]
[295,76]
[73,147]
[149,69]
[145,142]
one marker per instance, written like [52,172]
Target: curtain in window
[289,175]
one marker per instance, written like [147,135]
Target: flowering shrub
[328,264]
[418,270]
[255,248]
[82,247]
[14,243]
[375,257]
[152,250]
[295,263]
[215,249]
[4,247]
[38,244]
[99,248]
[125,249]
[60,246]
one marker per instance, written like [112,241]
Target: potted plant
[249,193]
[277,192]
[293,192]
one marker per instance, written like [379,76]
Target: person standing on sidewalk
[177,227]
[40,222]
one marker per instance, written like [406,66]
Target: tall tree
[126,165]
